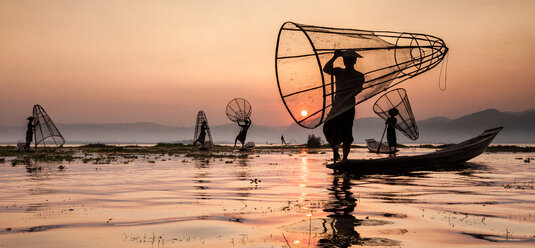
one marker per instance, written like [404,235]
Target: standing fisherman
[202,135]
[348,82]
[243,132]
[29,132]
[391,129]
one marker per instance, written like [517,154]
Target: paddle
[382,136]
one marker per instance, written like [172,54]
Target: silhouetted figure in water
[243,132]
[283,142]
[202,135]
[348,82]
[341,221]
[391,129]
[29,132]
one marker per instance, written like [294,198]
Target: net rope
[398,99]
[46,132]
[388,58]
[238,110]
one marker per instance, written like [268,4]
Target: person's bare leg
[345,149]
[235,141]
[336,155]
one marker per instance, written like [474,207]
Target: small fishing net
[239,110]
[46,132]
[386,59]
[405,119]
[207,136]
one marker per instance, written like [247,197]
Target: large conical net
[46,132]
[239,110]
[208,141]
[388,58]
[405,119]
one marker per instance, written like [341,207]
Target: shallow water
[277,199]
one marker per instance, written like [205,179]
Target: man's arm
[328,68]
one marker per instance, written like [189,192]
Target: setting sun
[304,113]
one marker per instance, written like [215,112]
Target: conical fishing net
[239,110]
[208,141]
[405,119]
[46,132]
[387,59]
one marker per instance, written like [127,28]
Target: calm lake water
[271,199]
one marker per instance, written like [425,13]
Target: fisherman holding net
[243,132]
[348,82]
[29,132]
[202,135]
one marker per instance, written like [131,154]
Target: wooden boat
[373,144]
[449,156]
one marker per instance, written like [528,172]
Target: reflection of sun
[304,113]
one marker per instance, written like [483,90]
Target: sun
[304,113]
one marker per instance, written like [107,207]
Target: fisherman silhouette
[391,129]
[342,222]
[243,132]
[202,135]
[29,132]
[348,82]
[283,142]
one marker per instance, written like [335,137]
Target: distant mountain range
[519,127]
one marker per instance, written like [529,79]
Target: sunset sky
[163,61]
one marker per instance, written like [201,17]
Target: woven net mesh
[239,110]
[46,132]
[388,58]
[398,99]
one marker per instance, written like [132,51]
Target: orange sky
[162,61]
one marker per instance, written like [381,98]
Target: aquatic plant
[163,144]
[313,141]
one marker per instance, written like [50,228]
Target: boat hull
[452,155]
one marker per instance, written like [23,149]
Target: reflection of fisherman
[29,132]
[342,221]
[202,135]
[348,82]
[243,132]
[283,142]
[391,128]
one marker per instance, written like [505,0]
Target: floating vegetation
[173,145]
[510,148]
[313,141]
[520,185]
[22,161]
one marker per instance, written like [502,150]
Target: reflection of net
[405,119]
[46,130]
[208,141]
[388,58]
[239,110]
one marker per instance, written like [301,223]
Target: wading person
[243,132]
[348,82]
[391,130]
[29,132]
[283,142]
[202,135]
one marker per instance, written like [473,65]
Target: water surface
[270,199]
